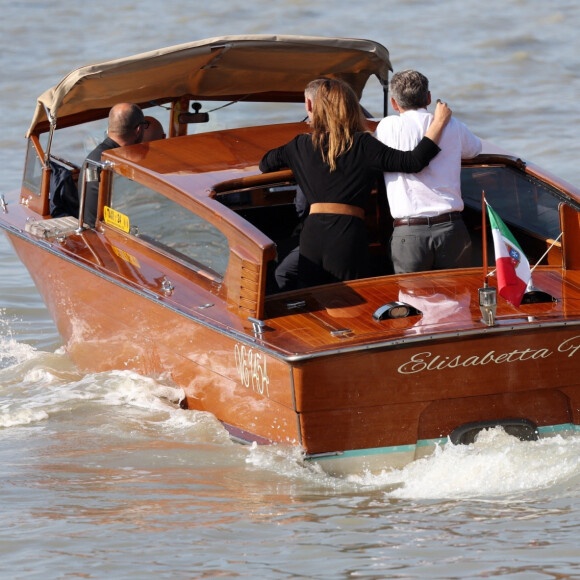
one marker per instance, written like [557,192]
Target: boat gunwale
[278,353]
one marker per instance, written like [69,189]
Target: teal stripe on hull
[552,429]
[559,428]
[382,450]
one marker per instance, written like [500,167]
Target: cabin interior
[528,206]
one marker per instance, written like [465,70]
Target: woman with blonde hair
[336,166]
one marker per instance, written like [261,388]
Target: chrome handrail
[96,165]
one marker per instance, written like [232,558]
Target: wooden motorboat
[173,280]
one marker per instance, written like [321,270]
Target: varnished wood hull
[365,407]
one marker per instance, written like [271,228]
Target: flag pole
[484,237]
[487,296]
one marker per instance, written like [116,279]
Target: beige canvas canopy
[259,68]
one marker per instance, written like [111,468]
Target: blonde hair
[336,117]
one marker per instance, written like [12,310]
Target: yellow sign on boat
[116,219]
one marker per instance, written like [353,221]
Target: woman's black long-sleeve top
[356,170]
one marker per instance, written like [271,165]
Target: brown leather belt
[338,208]
[427,221]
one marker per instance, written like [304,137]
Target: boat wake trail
[46,389]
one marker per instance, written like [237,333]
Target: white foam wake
[495,465]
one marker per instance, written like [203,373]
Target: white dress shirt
[436,189]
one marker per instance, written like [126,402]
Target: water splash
[11,351]
[497,464]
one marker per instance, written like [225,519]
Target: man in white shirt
[429,233]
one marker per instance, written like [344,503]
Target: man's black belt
[427,221]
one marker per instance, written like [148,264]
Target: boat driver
[126,126]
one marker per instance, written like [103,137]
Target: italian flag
[512,266]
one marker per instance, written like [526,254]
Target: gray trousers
[430,247]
